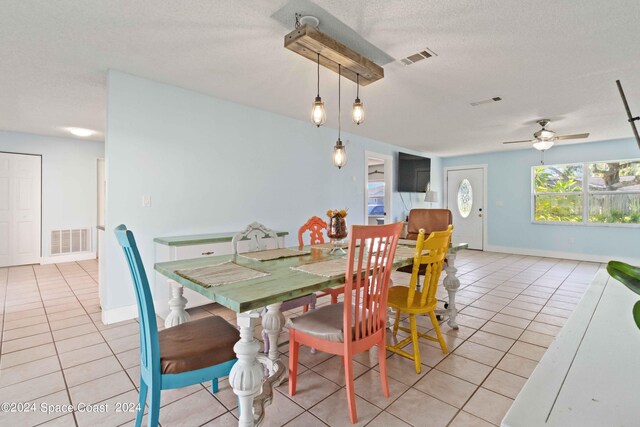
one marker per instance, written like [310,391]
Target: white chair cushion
[325,323]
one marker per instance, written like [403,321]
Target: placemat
[344,245]
[405,252]
[270,254]
[221,274]
[332,268]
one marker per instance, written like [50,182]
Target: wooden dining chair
[316,227]
[358,323]
[257,237]
[416,302]
[180,356]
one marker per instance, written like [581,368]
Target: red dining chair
[315,227]
[362,314]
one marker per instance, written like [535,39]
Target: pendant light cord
[339,121]
[318,75]
[357,85]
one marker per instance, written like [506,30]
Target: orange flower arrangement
[334,212]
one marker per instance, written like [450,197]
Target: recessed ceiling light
[81,131]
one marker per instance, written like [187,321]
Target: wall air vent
[485,101]
[70,241]
[416,57]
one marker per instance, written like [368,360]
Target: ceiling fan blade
[576,136]
[518,142]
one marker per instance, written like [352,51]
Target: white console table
[590,374]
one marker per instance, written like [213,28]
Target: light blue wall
[509,203]
[215,166]
[69,179]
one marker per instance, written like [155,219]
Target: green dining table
[261,297]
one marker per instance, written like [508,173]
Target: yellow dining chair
[418,302]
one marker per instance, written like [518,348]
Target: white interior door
[20,201]
[465,199]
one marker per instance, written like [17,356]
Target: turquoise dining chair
[187,354]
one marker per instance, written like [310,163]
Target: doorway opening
[378,174]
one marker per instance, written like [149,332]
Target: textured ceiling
[546,59]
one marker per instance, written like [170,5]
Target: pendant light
[318,115]
[339,153]
[357,114]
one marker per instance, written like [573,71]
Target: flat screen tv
[414,173]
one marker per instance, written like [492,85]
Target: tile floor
[56,351]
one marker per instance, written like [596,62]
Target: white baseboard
[119,314]
[57,259]
[562,255]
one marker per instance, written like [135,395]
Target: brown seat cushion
[197,344]
[429,219]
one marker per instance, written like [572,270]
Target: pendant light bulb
[339,155]
[318,115]
[357,113]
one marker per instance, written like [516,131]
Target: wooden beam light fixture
[310,42]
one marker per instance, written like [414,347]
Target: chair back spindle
[369,265]
[436,244]
[149,343]
[256,236]
[316,228]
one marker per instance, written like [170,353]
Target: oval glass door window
[465,198]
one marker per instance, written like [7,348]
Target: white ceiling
[546,59]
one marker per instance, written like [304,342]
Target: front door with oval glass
[465,198]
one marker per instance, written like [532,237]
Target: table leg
[247,374]
[272,323]
[177,304]
[451,284]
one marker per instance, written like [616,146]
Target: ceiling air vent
[416,57]
[486,101]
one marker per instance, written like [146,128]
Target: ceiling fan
[545,138]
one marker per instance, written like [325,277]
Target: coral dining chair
[257,236]
[362,315]
[180,356]
[417,302]
[315,226]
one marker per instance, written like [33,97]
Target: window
[590,193]
[465,198]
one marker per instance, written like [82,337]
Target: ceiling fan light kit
[545,138]
[542,145]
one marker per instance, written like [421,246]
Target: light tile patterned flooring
[56,351]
